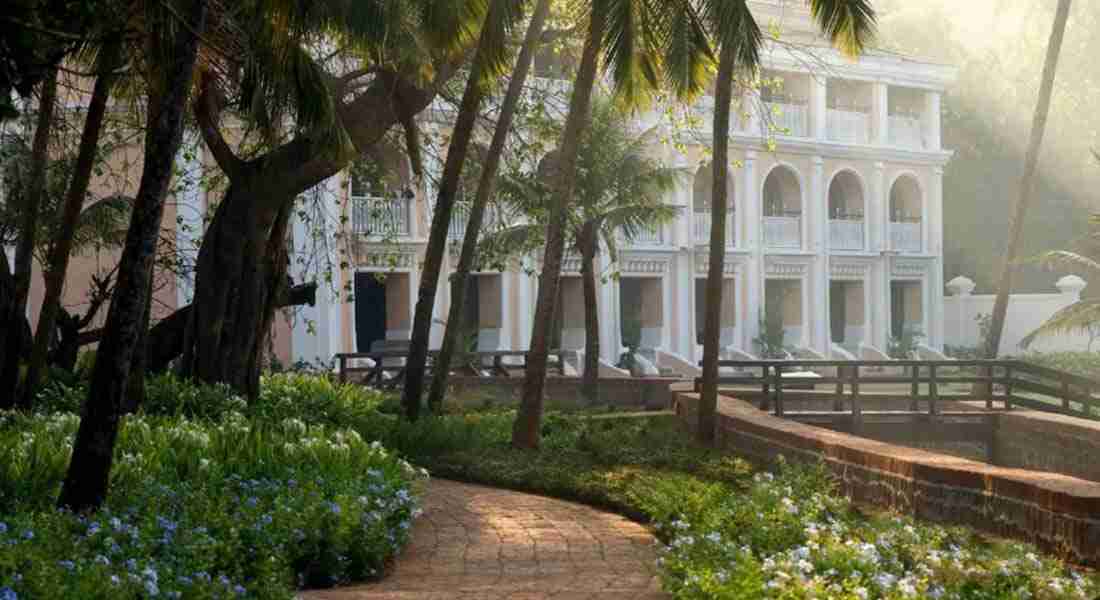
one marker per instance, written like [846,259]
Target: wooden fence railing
[1015,383]
[388,370]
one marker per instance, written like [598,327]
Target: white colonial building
[836,223]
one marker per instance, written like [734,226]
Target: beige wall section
[489,314]
[397,302]
[572,302]
[914,306]
[853,304]
[652,305]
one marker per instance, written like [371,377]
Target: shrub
[1085,364]
[241,508]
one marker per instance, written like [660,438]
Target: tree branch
[208,107]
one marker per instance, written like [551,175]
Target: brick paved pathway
[476,542]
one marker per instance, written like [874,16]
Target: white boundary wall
[1026,312]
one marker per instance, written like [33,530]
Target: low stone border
[1059,513]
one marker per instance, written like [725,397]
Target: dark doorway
[370,310]
[838,311]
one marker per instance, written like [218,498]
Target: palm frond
[1070,260]
[849,24]
[630,36]
[733,26]
[688,59]
[1075,318]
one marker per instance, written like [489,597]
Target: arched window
[846,210]
[782,199]
[702,198]
[906,209]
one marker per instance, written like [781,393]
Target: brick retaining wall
[1056,512]
[1029,439]
[649,393]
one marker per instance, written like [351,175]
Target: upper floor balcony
[701,226]
[382,217]
[782,203]
[906,216]
[847,230]
[783,231]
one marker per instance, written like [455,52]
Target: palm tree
[481,200]
[488,64]
[108,63]
[1084,314]
[618,195]
[86,482]
[625,34]
[736,34]
[1027,179]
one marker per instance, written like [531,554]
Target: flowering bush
[242,508]
[790,537]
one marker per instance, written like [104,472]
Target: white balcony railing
[783,232]
[845,234]
[905,237]
[906,132]
[701,224]
[645,236]
[848,127]
[374,216]
[788,119]
[460,216]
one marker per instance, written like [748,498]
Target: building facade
[836,228]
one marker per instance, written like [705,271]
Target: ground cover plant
[210,497]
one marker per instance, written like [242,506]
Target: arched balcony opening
[702,198]
[906,215]
[380,197]
[846,212]
[782,200]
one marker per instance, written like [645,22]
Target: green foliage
[1085,364]
[206,500]
[769,343]
[902,347]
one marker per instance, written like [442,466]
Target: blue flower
[28,535]
[93,529]
[239,590]
[166,524]
[252,501]
[68,565]
[334,507]
[115,580]
[115,523]
[7,593]
[151,588]
[3,528]
[131,564]
[203,576]
[149,573]
[103,560]
[222,579]
[184,580]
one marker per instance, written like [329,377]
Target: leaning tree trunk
[477,211]
[412,394]
[24,251]
[86,482]
[712,320]
[1027,180]
[590,384]
[232,292]
[276,262]
[14,332]
[525,431]
[110,58]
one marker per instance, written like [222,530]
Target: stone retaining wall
[1029,439]
[1057,512]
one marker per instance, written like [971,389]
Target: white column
[936,332]
[819,103]
[878,220]
[190,206]
[880,112]
[667,343]
[753,105]
[330,305]
[507,282]
[932,100]
[754,266]
[819,275]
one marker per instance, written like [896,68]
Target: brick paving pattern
[479,543]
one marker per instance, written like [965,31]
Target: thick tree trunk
[1027,180]
[135,387]
[276,262]
[712,321]
[14,332]
[86,482]
[232,289]
[110,58]
[24,251]
[477,212]
[525,431]
[590,384]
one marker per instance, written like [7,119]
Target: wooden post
[933,390]
[1008,389]
[989,399]
[779,392]
[766,397]
[914,389]
[838,402]
[1065,395]
[342,361]
[857,407]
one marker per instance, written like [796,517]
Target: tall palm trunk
[712,322]
[86,482]
[525,431]
[70,215]
[1027,180]
[590,383]
[413,392]
[477,211]
[24,251]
